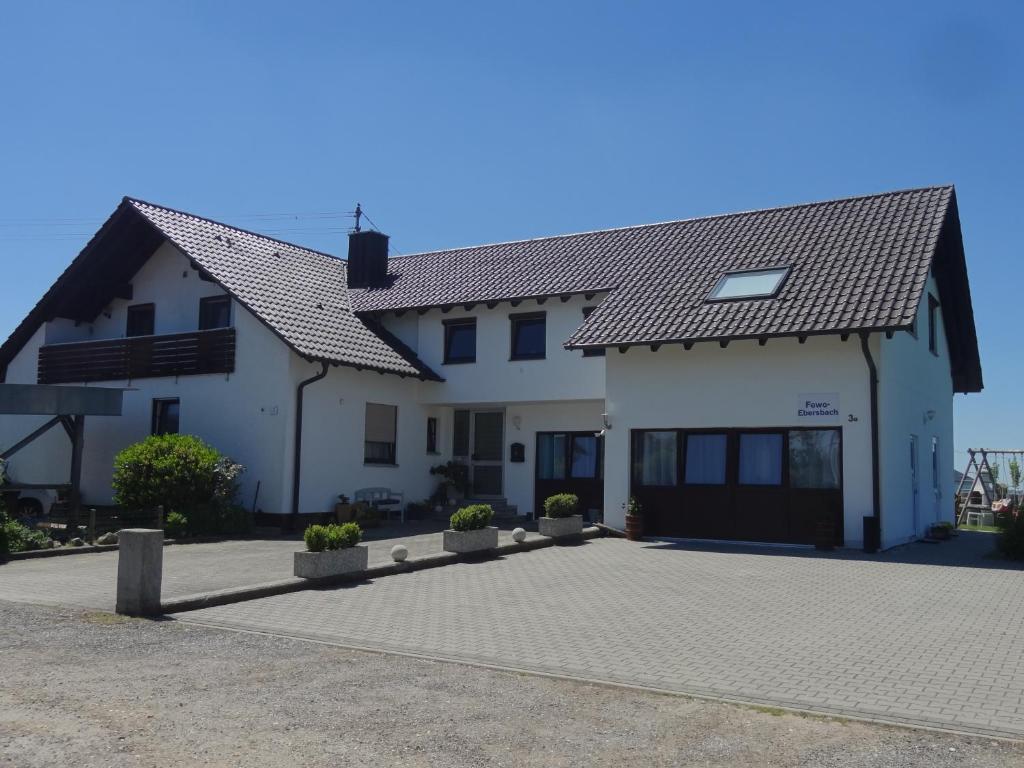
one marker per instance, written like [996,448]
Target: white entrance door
[915,486]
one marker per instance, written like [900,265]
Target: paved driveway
[894,637]
[89,580]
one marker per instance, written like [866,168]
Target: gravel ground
[93,689]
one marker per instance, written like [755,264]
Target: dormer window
[749,284]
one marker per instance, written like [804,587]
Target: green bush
[472,518]
[561,505]
[316,538]
[175,525]
[329,537]
[1011,538]
[184,475]
[343,536]
[15,537]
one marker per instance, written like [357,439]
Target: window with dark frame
[379,433]
[563,455]
[166,416]
[140,320]
[214,312]
[933,330]
[529,333]
[599,351]
[432,434]
[460,341]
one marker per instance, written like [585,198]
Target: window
[749,284]
[528,332]
[760,459]
[460,434]
[933,330]
[214,312]
[598,352]
[551,456]
[814,458]
[379,437]
[431,434]
[655,458]
[584,457]
[460,341]
[140,320]
[705,459]
[166,412]
[936,482]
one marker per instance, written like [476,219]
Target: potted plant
[331,550]
[634,520]
[942,530]
[454,480]
[470,531]
[560,518]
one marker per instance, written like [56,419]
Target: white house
[784,375]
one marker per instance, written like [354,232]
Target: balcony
[140,357]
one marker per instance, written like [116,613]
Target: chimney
[367,259]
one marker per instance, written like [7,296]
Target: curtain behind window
[760,459]
[705,459]
[658,458]
[814,458]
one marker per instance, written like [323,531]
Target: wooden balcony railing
[139,357]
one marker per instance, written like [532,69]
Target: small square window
[460,341]
[528,336]
[166,415]
[140,320]
[214,312]
[597,351]
[432,434]
[749,284]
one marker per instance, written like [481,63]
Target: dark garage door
[773,485]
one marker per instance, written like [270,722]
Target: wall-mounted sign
[818,406]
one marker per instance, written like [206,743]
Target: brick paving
[902,637]
[88,580]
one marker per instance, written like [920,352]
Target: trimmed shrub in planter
[331,550]
[470,531]
[560,519]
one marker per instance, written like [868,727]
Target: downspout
[297,457]
[873,524]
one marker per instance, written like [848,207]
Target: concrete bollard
[140,566]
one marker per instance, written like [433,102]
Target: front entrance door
[487,438]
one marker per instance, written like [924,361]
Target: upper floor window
[528,336]
[379,433]
[140,320]
[598,351]
[214,312]
[460,340]
[749,284]
[166,413]
[933,323]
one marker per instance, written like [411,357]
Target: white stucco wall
[914,381]
[494,378]
[333,432]
[743,385]
[242,414]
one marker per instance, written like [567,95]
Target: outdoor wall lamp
[928,416]
[517,421]
[606,421]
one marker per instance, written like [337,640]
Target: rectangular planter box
[317,565]
[471,541]
[560,527]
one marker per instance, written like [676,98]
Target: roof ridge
[710,217]
[139,201]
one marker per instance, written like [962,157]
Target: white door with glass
[479,439]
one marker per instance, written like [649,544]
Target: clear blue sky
[464,123]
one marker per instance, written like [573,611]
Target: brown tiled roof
[856,264]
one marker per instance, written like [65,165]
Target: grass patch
[103,617]
[979,528]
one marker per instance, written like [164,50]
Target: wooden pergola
[68,407]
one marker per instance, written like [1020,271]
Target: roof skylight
[749,284]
